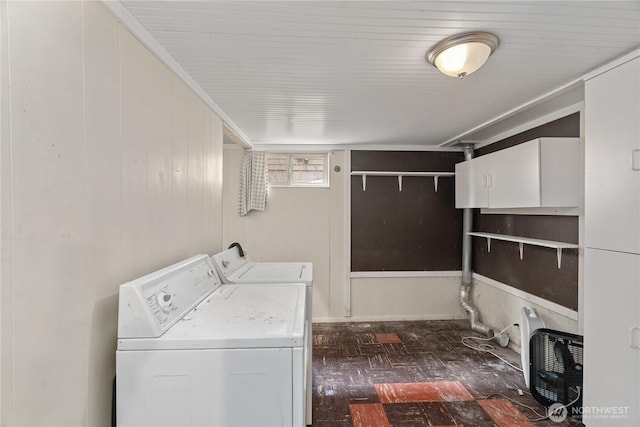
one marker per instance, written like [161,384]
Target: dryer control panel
[227,262]
[150,305]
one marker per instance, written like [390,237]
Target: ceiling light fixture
[462,54]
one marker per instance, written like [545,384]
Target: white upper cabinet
[544,172]
[612,159]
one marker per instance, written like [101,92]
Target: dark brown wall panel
[416,229]
[406,161]
[568,126]
[420,230]
[537,273]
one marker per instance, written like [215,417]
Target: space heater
[555,368]
[529,323]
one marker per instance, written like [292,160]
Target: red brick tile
[388,339]
[504,413]
[368,415]
[443,391]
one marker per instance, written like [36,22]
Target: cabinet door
[612,310]
[463,185]
[560,183]
[472,179]
[612,151]
[515,177]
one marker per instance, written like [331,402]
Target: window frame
[325,156]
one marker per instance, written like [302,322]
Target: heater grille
[556,368]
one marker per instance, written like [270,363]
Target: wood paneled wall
[112,169]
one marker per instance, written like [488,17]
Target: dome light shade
[462,54]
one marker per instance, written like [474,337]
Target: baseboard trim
[393,318]
[400,274]
[557,308]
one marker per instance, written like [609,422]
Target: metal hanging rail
[435,176]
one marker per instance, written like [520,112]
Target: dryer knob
[165,301]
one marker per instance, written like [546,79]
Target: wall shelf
[558,246]
[435,176]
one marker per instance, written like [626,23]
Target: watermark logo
[557,412]
[601,412]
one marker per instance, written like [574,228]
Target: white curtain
[253,182]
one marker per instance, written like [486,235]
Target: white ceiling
[353,72]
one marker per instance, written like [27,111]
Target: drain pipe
[465,288]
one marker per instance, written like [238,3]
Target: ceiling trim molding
[460,139]
[389,147]
[557,114]
[147,39]
[230,135]
[303,148]
[613,64]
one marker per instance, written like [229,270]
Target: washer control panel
[162,304]
[150,305]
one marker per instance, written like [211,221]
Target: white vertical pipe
[465,287]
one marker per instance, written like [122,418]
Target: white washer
[194,352]
[234,266]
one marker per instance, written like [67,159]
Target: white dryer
[194,352]
[235,267]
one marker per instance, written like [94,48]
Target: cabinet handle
[635,160]
[484,180]
[490,181]
[632,334]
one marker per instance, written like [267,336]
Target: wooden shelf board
[388,173]
[529,241]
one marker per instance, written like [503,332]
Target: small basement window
[298,170]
